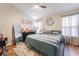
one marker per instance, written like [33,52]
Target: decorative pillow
[56,32]
[47,32]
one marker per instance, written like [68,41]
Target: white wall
[55,26]
[57,20]
[9,15]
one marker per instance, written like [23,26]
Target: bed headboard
[53,32]
[56,32]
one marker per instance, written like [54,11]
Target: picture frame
[50,21]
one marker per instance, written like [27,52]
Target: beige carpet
[22,50]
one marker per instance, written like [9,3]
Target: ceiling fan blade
[42,6]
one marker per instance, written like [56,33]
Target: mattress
[47,38]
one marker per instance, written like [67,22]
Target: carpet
[22,50]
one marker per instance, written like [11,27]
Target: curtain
[38,26]
[70,27]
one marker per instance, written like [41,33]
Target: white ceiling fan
[38,5]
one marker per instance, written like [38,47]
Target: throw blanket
[47,38]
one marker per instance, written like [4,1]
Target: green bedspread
[47,44]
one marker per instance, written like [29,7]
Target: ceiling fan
[38,5]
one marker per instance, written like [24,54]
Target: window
[38,26]
[70,25]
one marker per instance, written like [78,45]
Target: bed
[47,44]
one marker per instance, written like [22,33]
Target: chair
[3,50]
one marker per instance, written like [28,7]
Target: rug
[22,50]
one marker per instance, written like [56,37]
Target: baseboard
[8,44]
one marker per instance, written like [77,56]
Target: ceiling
[52,8]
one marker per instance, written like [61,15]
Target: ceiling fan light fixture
[36,6]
